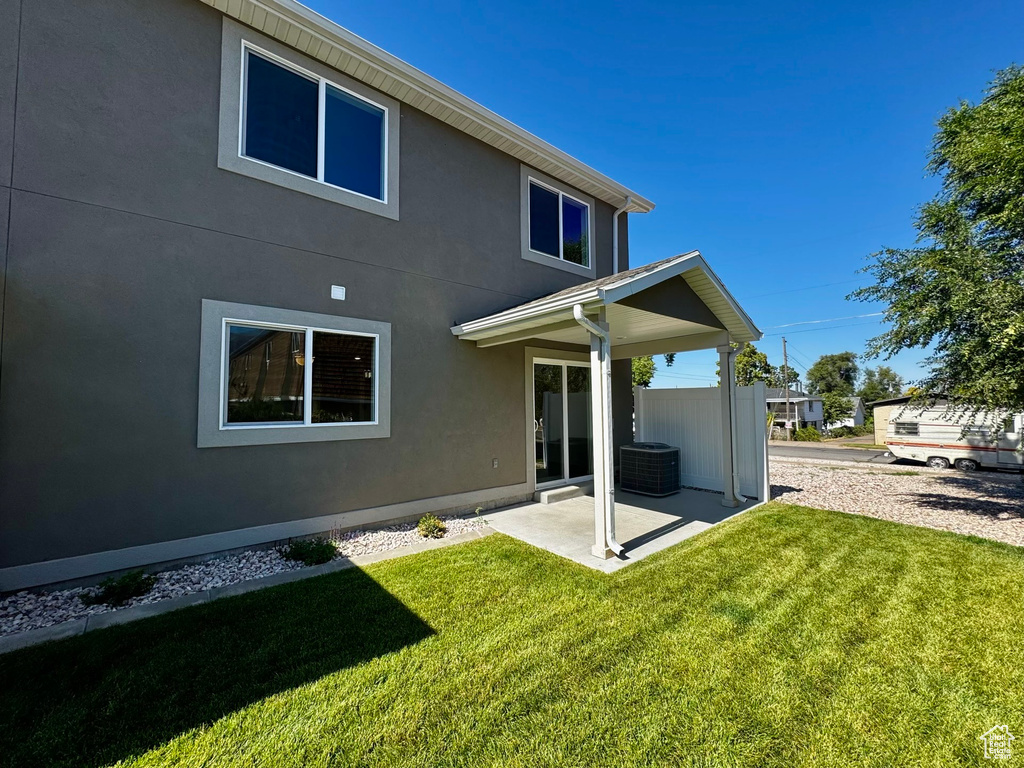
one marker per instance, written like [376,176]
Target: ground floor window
[270,368]
[270,375]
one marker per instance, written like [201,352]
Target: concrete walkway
[643,524]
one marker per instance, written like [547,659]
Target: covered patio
[674,305]
[643,524]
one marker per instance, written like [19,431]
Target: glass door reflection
[562,423]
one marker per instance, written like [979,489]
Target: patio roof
[673,305]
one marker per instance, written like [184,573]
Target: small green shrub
[118,591]
[807,435]
[864,430]
[431,527]
[310,551]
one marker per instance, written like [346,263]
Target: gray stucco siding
[122,223]
[99,410]
[10,16]
[5,200]
[126,115]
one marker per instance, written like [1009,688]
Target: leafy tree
[644,368]
[834,408]
[751,365]
[833,373]
[779,373]
[962,288]
[880,383]
[643,371]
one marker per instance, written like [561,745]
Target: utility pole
[785,383]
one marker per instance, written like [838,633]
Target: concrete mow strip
[126,615]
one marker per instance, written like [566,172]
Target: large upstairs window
[299,122]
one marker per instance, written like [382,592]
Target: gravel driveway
[986,504]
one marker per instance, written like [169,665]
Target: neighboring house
[804,410]
[263,280]
[855,418]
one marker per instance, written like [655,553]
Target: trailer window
[906,428]
[1008,425]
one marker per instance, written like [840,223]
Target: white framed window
[271,375]
[557,224]
[292,121]
[906,428]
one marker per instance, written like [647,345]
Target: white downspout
[616,267]
[606,464]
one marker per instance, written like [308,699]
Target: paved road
[830,453]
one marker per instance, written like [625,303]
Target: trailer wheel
[966,465]
[938,462]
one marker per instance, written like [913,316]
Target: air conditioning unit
[649,468]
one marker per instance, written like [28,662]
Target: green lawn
[787,636]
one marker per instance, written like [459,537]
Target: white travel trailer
[943,435]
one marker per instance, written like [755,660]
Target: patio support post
[725,367]
[600,548]
[605,545]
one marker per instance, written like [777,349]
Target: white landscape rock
[23,611]
[985,504]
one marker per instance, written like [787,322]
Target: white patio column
[727,376]
[600,548]
[605,545]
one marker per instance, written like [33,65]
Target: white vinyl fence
[691,420]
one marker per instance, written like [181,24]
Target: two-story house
[262,279]
[804,410]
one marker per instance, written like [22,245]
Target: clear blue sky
[784,141]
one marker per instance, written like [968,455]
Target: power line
[828,320]
[831,328]
[687,376]
[804,288]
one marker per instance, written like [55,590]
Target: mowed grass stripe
[787,636]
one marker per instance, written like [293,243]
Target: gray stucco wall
[121,223]
[10,14]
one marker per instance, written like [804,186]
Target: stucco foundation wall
[121,223]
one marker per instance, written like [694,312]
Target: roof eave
[319,37]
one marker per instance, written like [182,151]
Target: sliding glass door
[562,422]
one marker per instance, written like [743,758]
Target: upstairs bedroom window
[297,123]
[557,224]
[306,125]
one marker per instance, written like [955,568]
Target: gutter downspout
[606,467]
[616,267]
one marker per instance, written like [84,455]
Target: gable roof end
[301,28]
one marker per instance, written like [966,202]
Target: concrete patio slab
[643,524]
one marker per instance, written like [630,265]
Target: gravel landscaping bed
[23,611]
[986,504]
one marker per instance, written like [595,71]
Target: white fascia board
[414,83]
[685,263]
[733,304]
[506,321]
